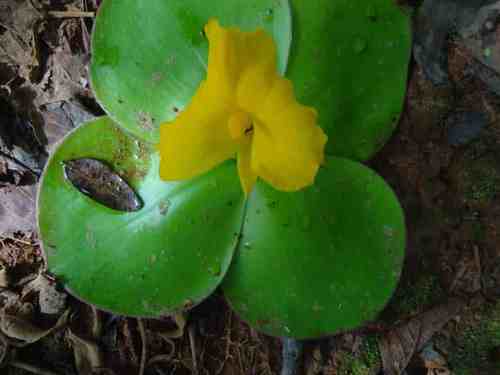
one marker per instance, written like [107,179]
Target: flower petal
[198,139]
[288,145]
[233,53]
[247,175]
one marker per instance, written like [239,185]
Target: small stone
[464,127]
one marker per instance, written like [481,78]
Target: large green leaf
[149,56]
[319,261]
[169,255]
[349,59]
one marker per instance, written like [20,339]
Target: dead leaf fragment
[98,181]
[67,78]
[17,42]
[88,357]
[430,362]
[50,300]
[180,321]
[19,328]
[62,117]
[4,277]
[398,346]
[480,33]
[17,209]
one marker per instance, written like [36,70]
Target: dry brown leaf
[180,321]
[21,329]
[21,142]
[65,79]
[432,361]
[13,51]
[314,362]
[88,357]
[17,42]
[17,209]
[398,346]
[4,277]
[480,35]
[50,300]
[96,327]
[10,301]
[62,117]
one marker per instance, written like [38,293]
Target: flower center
[240,124]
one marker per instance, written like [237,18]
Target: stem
[291,353]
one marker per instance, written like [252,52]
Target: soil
[450,192]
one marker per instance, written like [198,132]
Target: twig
[96,323]
[228,340]
[5,344]
[70,14]
[292,351]
[192,344]
[30,368]
[129,344]
[19,163]
[477,259]
[166,358]
[142,332]
[4,237]
[85,31]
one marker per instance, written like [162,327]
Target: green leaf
[149,56]
[319,261]
[165,257]
[349,60]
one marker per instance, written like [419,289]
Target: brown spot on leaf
[145,121]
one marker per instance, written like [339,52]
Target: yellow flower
[244,109]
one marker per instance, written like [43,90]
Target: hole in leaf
[98,181]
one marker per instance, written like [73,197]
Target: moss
[350,365]
[481,180]
[414,298]
[364,363]
[474,342]
[370,352]
[479,231]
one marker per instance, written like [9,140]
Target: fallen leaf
[4,277]
[488,75]
[398,346]
[432,25]
[66,76]
[98,181]
[88,357]
[17,42]
[464,127]
[11,301]
[62,117]
[17,209]
[480,34]
[180,321]
[21,329]
[50,300]
[13,51]
[435,21]
[433,361]
[313,363]
[20,143]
